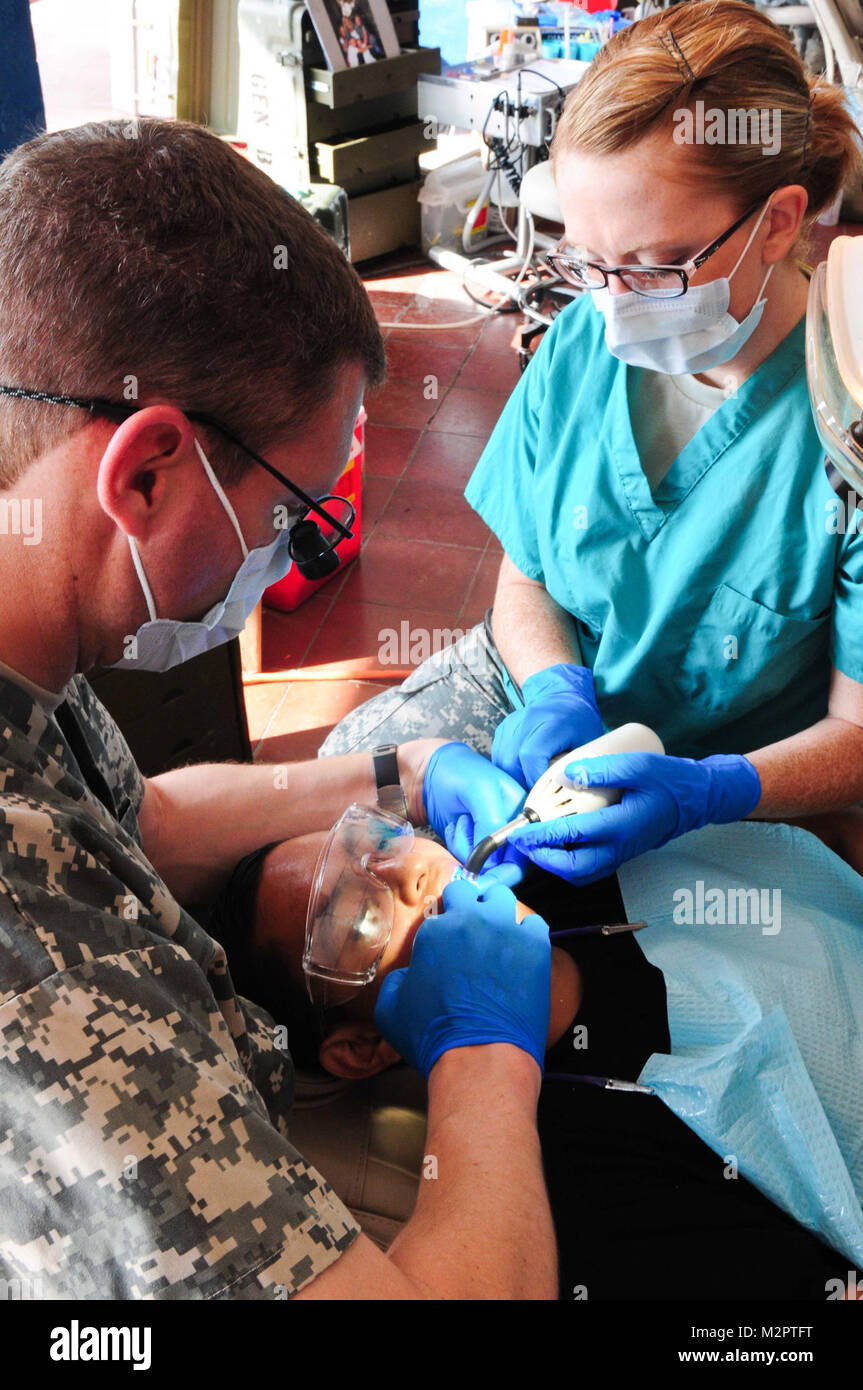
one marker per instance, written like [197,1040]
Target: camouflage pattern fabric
[458,693]
[144,1106]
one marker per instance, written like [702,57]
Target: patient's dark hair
[231,922]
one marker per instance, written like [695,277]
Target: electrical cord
[510,233]
[492,308]
[487,309]
[502,151]
[546,77]
[513,305]
[561,94]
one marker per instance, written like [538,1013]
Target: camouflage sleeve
[137,1159]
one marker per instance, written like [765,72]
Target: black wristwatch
[391,795]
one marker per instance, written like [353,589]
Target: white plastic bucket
[445,199]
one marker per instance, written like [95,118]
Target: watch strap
[390,792]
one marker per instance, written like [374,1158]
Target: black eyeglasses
[652,281]
[311,544]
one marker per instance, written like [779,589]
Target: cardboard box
[384,221]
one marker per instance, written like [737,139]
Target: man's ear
[355,1050]
[131,476]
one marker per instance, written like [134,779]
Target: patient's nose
[407,875]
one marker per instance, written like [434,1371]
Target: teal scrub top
[713,608]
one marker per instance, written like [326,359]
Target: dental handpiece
[555,795]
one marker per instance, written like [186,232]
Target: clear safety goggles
[351,903]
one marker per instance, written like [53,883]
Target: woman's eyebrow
[668,254]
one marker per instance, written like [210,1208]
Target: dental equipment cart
[520,108]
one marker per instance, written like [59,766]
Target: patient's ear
[355,1050]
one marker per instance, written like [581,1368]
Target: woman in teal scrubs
[674,553]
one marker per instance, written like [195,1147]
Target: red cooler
[293,590]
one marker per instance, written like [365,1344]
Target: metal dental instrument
[605,1083]
[600,929]
[555,795]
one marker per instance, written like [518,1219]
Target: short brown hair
[151,250]
[729,55]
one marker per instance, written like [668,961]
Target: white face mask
[692,333]
[164,642]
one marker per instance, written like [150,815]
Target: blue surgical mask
[692,333]
[164,642]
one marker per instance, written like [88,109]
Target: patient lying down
[270,891]
[619,1168]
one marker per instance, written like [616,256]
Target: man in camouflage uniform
[144,1105]
[120,1025]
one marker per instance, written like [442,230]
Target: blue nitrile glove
[475,976]
[559,713]
[466,798]
[664,797]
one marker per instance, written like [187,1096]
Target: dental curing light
[555,795]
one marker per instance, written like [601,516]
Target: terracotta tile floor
[426,559]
